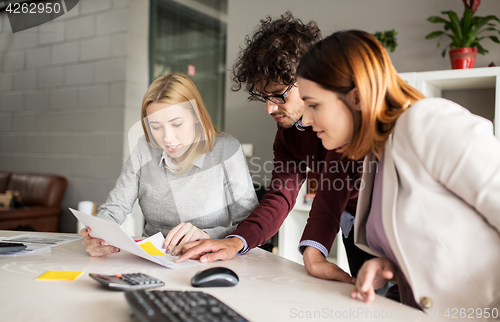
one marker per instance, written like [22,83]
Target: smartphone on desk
[8,247]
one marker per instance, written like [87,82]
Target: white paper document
[149,248]
[38,243]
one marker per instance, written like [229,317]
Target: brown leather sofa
[42,195]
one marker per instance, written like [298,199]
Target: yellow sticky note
[151,249]
[60,275]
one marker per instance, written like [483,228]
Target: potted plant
[465,34]
[387,39]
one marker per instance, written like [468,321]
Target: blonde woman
[191,181]
[430,206]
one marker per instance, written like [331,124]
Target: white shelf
[432,83]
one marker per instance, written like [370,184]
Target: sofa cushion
[37,218]
[29,212]
[38,189]
[4,181]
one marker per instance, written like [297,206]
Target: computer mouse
[215,277]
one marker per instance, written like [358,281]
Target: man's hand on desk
[94,246]
[210,250]
[182,234]
[317,265]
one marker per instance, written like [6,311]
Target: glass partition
[189,37]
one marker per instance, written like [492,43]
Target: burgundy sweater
[294,150]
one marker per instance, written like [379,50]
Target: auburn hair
[355,59]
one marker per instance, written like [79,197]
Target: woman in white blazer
[429,204]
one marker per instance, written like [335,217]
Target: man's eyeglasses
[275,98]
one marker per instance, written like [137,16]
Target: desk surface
[271,288]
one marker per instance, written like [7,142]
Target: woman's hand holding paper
[94,246]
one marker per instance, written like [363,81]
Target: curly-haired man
[267,64]
[266,68]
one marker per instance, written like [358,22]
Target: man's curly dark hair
[274,51]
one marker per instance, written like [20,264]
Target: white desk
[271,288]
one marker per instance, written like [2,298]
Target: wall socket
[247,149]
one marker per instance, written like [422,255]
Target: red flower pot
[462,58]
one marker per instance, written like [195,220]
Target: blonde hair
[355,59]
[175,89]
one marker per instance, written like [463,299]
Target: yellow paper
[151,249]
[60,275]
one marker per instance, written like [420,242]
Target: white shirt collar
[168,161]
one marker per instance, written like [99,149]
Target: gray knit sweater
[214,195]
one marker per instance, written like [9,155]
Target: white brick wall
[25,80]
[64,94]
[51,77]
[12,60]
[64,98]
[77,74]
[64,53]
[97,95]
[80,27]
[38,100]
[110,70]
[5,82]
[38,57]
[11,102]
[112,21]
[51,32]
[95,48]
[95,6]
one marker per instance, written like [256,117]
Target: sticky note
[60,275]
[151,249]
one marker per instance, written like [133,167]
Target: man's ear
[353,99]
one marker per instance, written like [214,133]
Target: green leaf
[436,19]
[469,38]
[456,42]
[455,24]
[481,50]
[495,39]
[466,20]
[484,20]
[487,29]
[434,34]
[474,20]
[387,39]
[444,52]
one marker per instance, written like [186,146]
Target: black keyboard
[178,306]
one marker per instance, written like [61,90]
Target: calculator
[127,282]
[7,247]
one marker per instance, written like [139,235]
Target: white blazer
[440,205]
